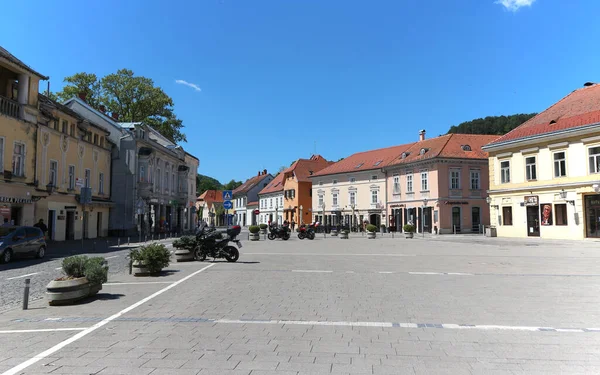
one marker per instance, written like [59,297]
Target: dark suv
[21,241]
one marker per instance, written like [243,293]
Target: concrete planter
[139,269]
[409,234]
[490,232]
[262,231]
[254,237]
[183,255]
[334,232]
[64,292]
[371,235]
[344,236]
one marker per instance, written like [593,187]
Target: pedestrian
[40,224]
[293,224]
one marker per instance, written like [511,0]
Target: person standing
[40,224]
[293,225]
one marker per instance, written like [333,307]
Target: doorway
[51,218]
[475,219]
[456,219]
[592,216]
[533,221]
[15,215]
[375,220]
[70,227]
[99,225]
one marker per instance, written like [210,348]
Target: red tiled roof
[211,196]
[304,168]
[252,204]
[249,184]
[579,108]
[274,186]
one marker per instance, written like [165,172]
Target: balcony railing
[9,107]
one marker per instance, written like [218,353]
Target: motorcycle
[211,243]
[306,232]
[282,232]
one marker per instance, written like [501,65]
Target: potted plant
[184,248]
[149,259]
[371,231]
[254,236]
[344,234]
[409,230]
[83,278]
[263,228]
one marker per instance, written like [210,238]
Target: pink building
[440,184]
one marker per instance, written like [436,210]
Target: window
[320,200]
[172,182]
[560,164]
[378,162]
[530,168]
[335,199]
[271,203]
[158,178]
[72,132]
[455,179]
[142,173]
[1,155]
[334,182]
[424,181]
[53,172]
[95,139]
[101,183]
[18,162]
[352,180]
[409,183]
[594,158]
[352,198]
[101,141]
[505,172]
[475,180]
[71,177]
[560,214]
[166,186]
[396,184]
[466,148]
[88,177]
[359,165]
[374,196]
[374,177]
[65,126]
[507,216]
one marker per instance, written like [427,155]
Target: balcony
[9,107]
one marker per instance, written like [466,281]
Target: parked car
[21,241]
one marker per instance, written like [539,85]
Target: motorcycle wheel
[301,235]
[232,254]
[271,236]
[286,236]
[311,236]
[199,255]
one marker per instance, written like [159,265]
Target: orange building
[297,188]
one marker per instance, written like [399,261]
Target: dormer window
[466,147]
[405,155]
[423,151]
[359,165]
[310,173]
[378,162]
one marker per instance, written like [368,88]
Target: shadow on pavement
[23,262]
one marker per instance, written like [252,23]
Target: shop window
[507,216]
[560,214]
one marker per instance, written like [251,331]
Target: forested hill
[497,125]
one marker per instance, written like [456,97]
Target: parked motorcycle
[282,232]
[306,232]
[212,243]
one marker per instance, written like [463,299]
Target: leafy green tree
[204,183]
[495,125]
[86,83]
[232,185]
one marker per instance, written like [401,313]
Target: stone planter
[64,292]
[262,232]
[139,269]
[490,232]
[183,255]
[370,235]
[344,236]
[334,232]
[409,234]
[254,236]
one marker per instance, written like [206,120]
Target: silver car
[21,241]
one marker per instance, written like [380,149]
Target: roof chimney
[421,135]
[588,84]
[264,172]
[82,95]
[258,173]
[115,116]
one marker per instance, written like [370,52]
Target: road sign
[227,195]
[79,182]
[86,195]
[227,205]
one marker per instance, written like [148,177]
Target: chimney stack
[115,116]
[258,173]
[82,96]
[422,135]
[264,172]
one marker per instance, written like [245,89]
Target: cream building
[545,174]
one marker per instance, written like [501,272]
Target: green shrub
[94,269]
[254,229]
[371,228]
[185,242]
[408,228]
[154,257]
[263,226]
[74,266]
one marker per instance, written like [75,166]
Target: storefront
[17,203]
[592,215]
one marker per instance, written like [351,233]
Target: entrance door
[99,225]
[592,216]
[475,219]
[15,215]
[375,220]
[456,219]
[533,221]
[51,218]
[70,227]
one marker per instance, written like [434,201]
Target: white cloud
[514,5]
[186,83]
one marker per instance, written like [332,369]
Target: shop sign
[456,202]
[60,217]
[15,200]
[532,200]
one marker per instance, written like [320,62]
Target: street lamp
[423,217]
[301,217]
[353,220]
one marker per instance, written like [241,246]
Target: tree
[232,185]
[204,183]
[134,98]
[495,125]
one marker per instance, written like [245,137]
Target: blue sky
[276,76]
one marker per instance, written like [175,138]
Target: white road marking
[349,271]
[114,256]
[58,268]
[140,283]
[20,277]
[312,271]
[340,254]
[425,273]
[17,369]
[460,273]
[42,330]
[385,272]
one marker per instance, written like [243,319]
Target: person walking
[40,224]
[293,225]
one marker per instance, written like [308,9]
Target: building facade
[204,205]
[244,215]
[545,174]
[270,202]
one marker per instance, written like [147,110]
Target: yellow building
[545,174]
[19,188]
[72,154]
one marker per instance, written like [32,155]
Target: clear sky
[276,76]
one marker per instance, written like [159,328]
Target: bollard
[119,242]
[94,247]
[130,266]
[146,238]
[26,294]
[152,237]
[127,241]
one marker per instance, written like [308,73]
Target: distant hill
[496,125]
[204,183]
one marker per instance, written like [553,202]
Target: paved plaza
[438,305]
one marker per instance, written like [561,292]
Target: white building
[245,198]
[270,201]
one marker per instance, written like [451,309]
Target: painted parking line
[114,256]
[336,254]
[139,283]
[20,277]
[442,273]
[41,330]
[385,272]
[312,271]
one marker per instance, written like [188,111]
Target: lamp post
[353,220]
[423,217]
[301,221]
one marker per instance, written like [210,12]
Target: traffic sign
[227,195]
[227,205]
[79,182]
